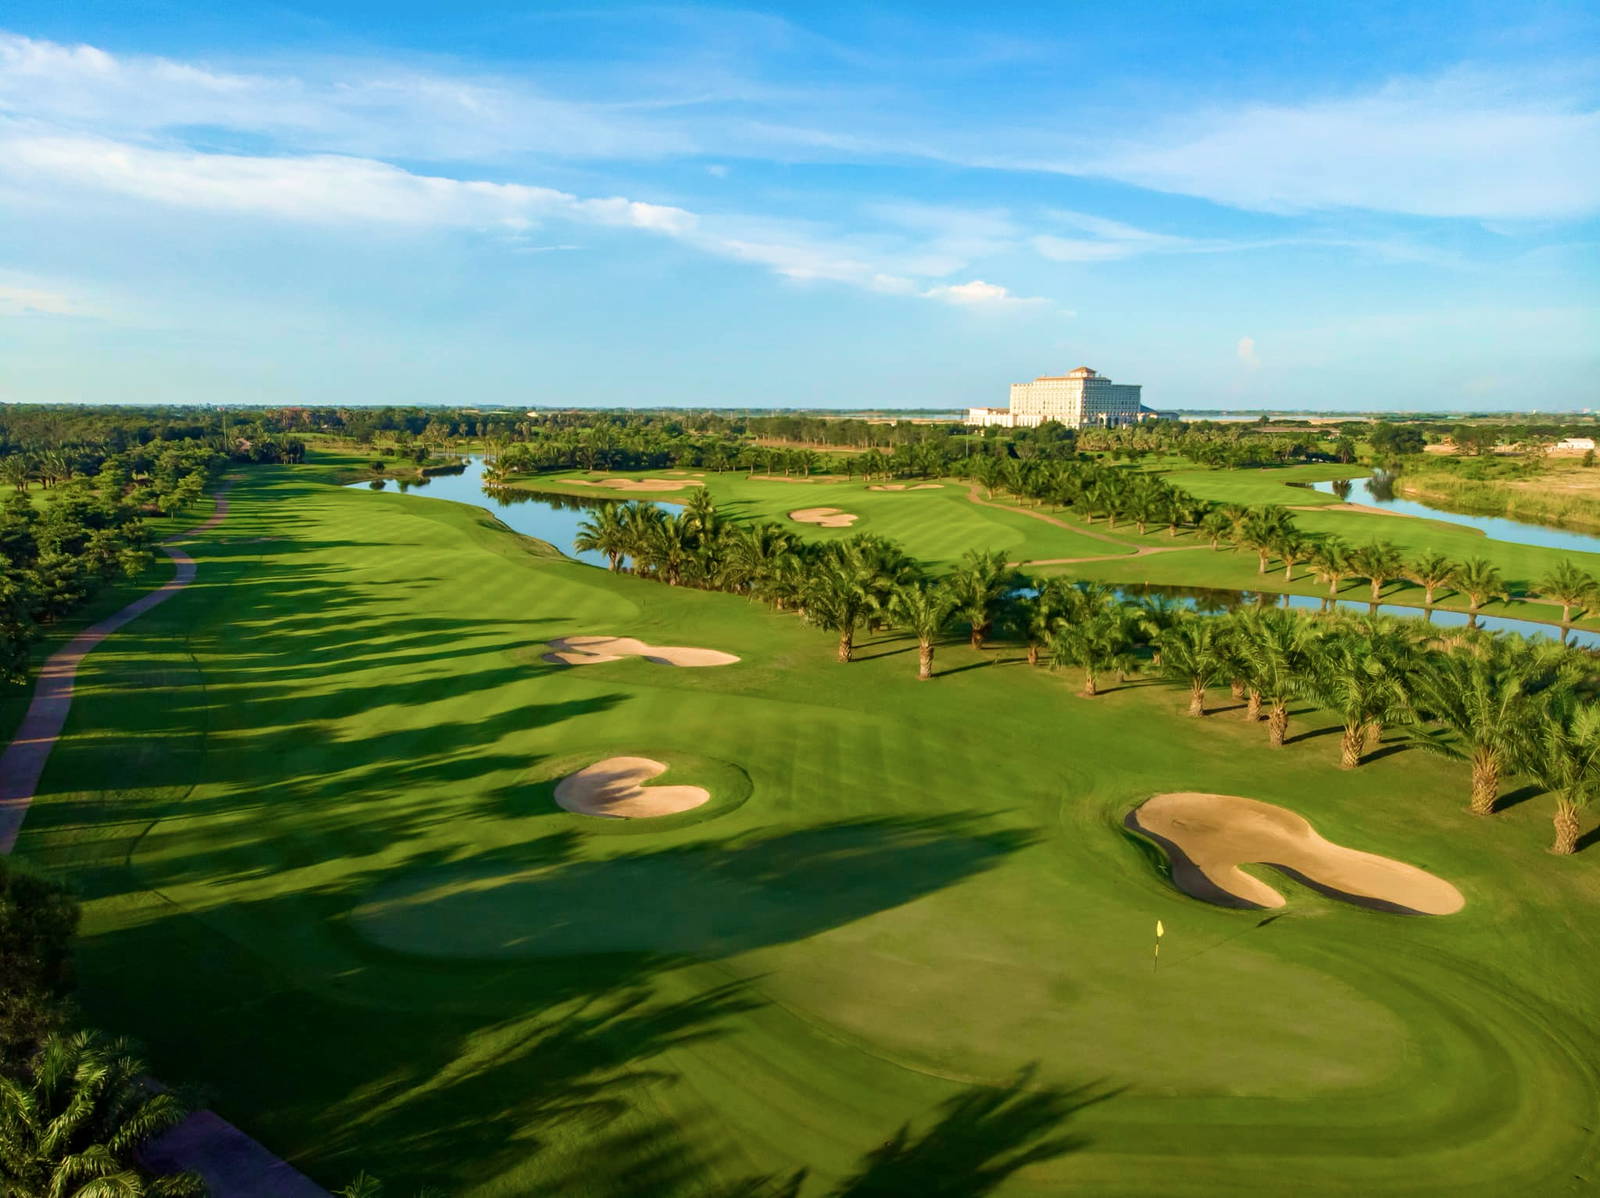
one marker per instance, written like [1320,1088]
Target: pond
[549,516]
[1213,600]
[1379,492]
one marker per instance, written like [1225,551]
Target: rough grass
[927,889]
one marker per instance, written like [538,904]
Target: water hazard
[1379,492]
[550,517]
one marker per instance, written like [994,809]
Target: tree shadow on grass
[969,1146]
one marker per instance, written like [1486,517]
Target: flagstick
[1155,961]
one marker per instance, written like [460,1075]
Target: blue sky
[1238,205]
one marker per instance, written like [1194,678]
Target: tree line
[1502,703]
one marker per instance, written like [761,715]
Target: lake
[1379,492]
[550,517]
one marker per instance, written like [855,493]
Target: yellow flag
[1160,931]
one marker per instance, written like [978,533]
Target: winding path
[23,762]
[232,1164]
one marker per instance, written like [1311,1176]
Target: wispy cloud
[1469,143]
[1246,352]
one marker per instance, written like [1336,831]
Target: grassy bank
[1563,499]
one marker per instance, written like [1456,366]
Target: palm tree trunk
[1262,560]
[1427,595]
[977,636]
[1089,690]
[1333,587]
[1236,687]
[1377,587]
[1371,735]
[924,660]
[847,644]
[1288,571]
[1350,745]
[1566,823]
[1252,706]
[1197,699]
[1485,782]
[1566,614]
[1278,725]
[1033,654]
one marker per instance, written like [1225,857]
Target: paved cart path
[233,1165]
[22,764]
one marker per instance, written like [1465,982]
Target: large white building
[1080,398]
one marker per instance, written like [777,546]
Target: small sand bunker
[636,484]
[591,650]
[1207,837]
[903,487]
[614,789]
[824,517]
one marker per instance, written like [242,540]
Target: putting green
[308,805]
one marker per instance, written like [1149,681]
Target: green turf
[304,801]
[937,526]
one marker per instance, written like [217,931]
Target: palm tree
[1191,653]
[924,609]
[1479,580]
[840,595]
[1292,548]
[756,556]
[1353,680]
[980,584]
[1430,571]
[1216,526]
[73,1124]
[1096,643]
[1260,531]
[669,546]
[1568,586]
[605,532]
[1281,654]
[1564,758]
[1330,562]
[1377,562]
[1041,615]
[1484,700]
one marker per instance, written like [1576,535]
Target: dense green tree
[73,1123]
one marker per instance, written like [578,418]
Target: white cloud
[1246,350]
[977,293]
[340,190]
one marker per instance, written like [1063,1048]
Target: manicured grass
[937,526]
[1267,484]
[928,887]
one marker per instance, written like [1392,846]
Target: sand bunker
[1207,838]
[824,517]
[903,487]
[636,484]
[614,789]
[591,650]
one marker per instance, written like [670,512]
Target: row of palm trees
[1501,704]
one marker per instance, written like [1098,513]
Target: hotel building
[1080,398]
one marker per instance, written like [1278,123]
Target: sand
[614,789]
[1366,508]
[824,517]
[903,487]
[1208,836]
[592,650]
[636,484]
